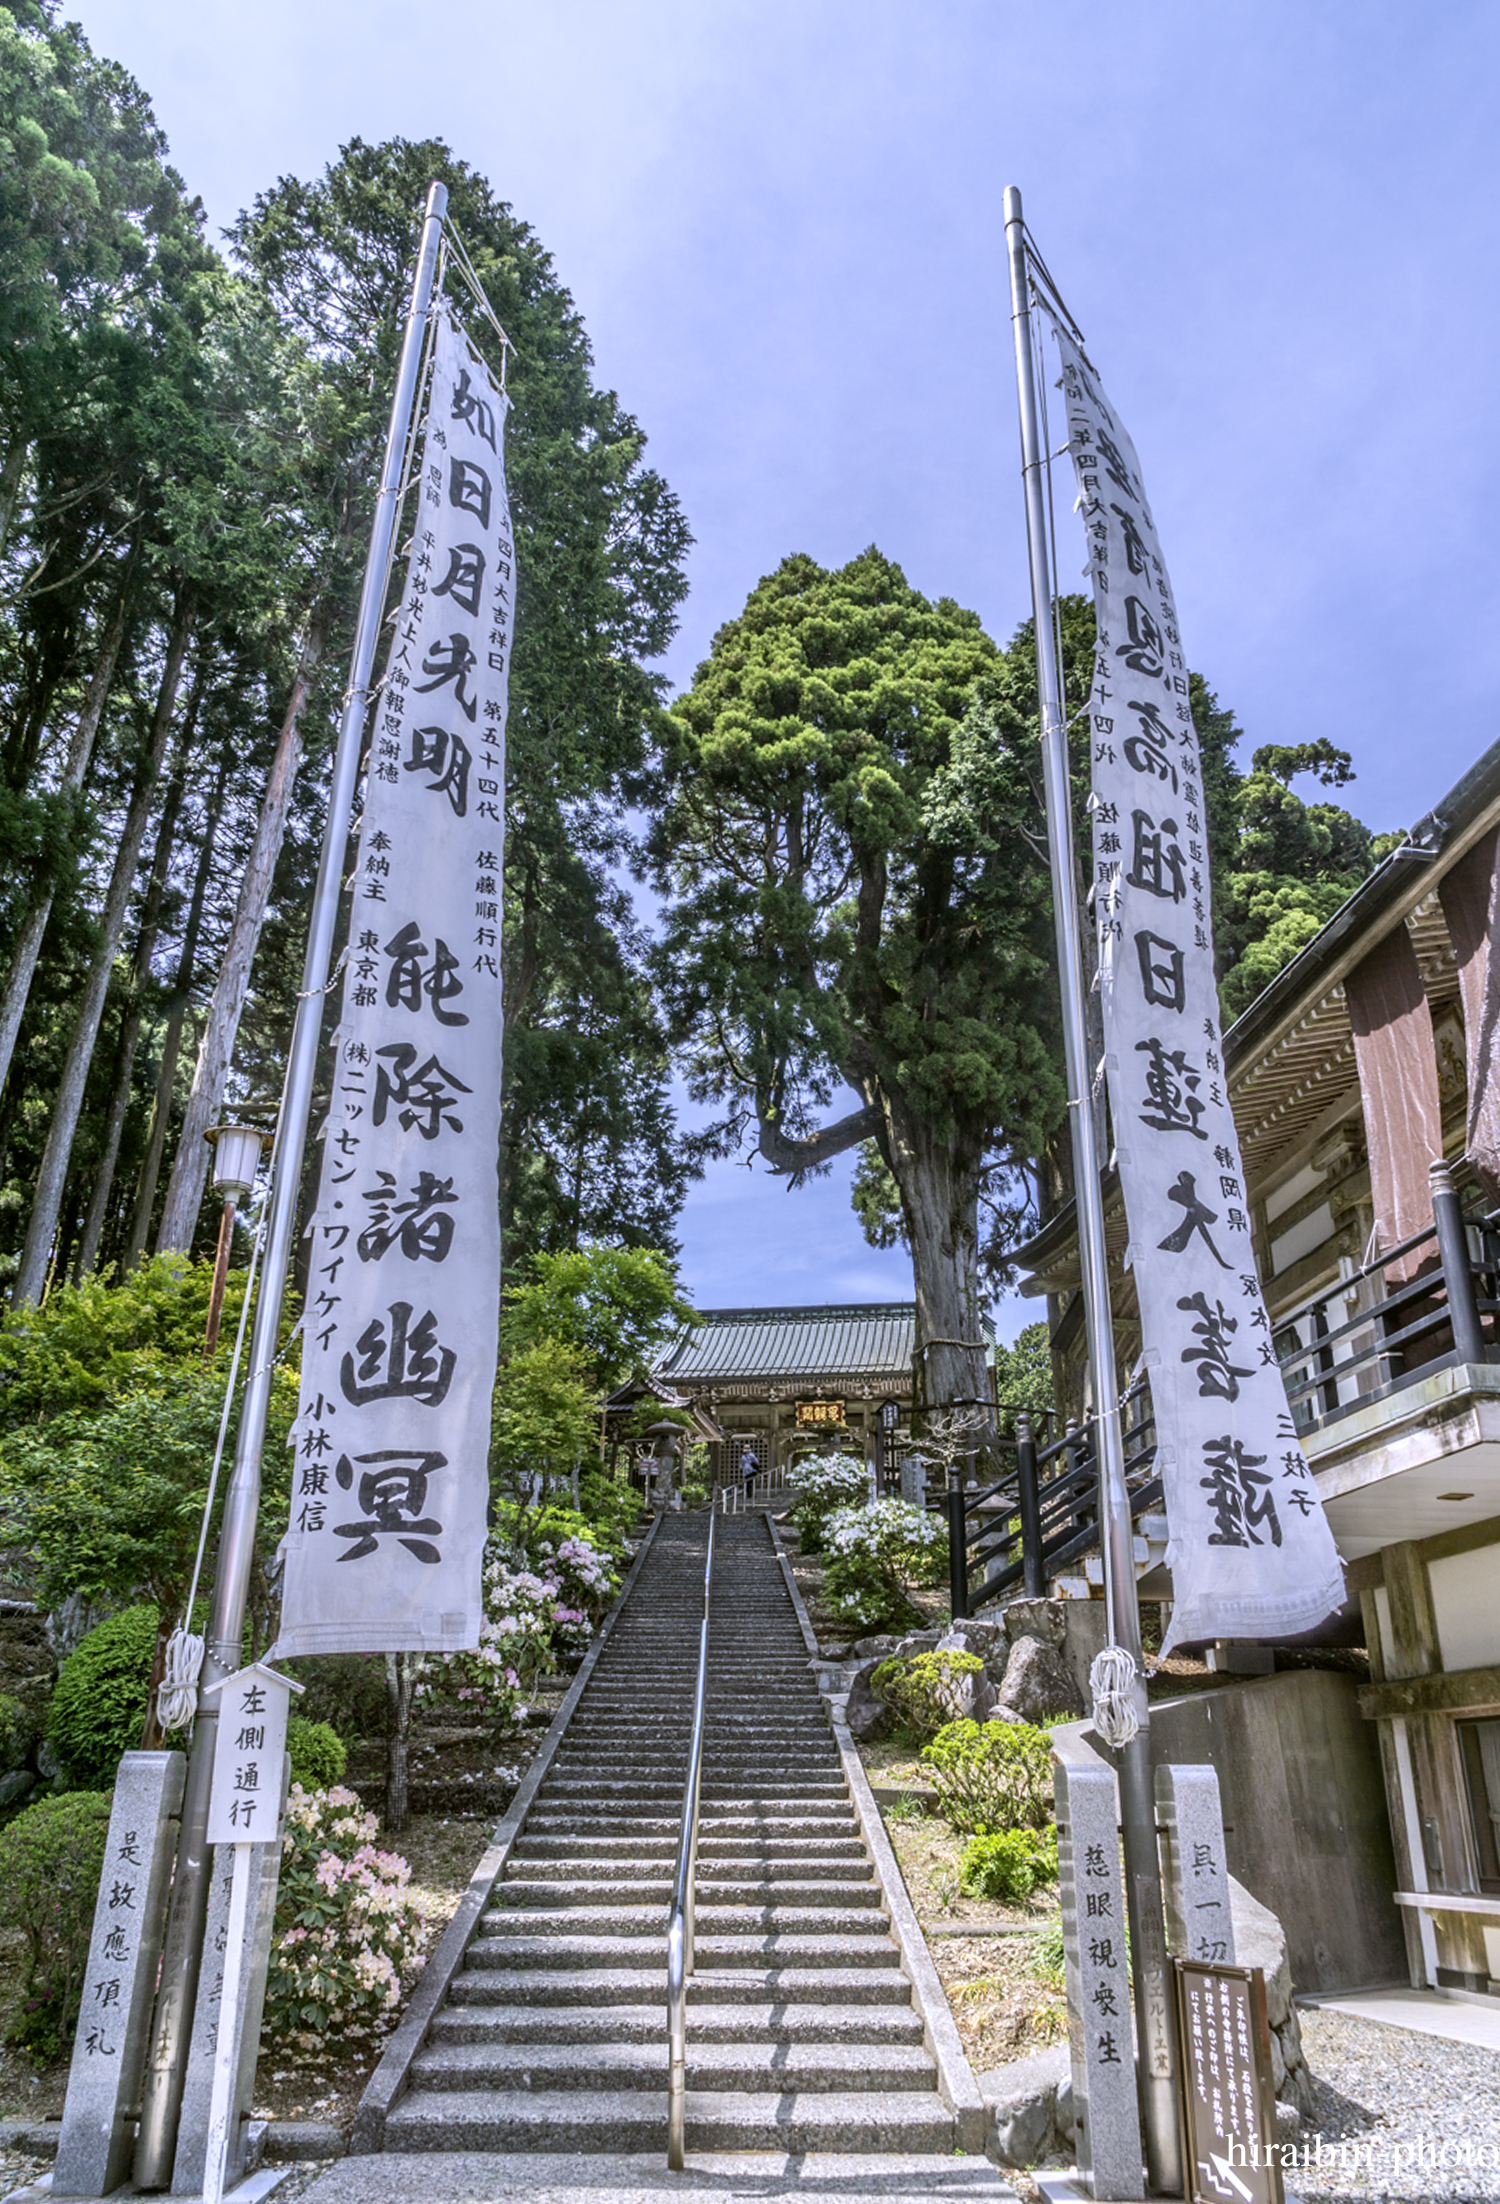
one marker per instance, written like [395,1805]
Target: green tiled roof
[865,1339]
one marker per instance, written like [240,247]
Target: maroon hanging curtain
[1467,894]
[1399,1088]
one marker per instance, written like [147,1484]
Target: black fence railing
[1042,1510]
[1431,1303]
[1428,1304]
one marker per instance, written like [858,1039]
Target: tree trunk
[166,1074]
[10,486]
[80,750]
[939,1180]
[400,1679]
[216,1048]
[68,1101]
[130,1027]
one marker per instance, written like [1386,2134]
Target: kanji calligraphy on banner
[390,1484]
[1249,1547]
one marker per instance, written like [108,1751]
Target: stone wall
[1305,1820]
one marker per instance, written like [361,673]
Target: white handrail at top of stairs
[680,1922]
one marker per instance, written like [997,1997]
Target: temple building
[1365,1083]
[785,1381]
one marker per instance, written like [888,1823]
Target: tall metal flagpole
[1157,2060]
[172,2024]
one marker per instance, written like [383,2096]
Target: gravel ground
[17,2172]
[1390,2106]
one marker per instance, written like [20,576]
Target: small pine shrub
[318,1754]
[99,1707]
[991,1776]
[927,1691]
[1009,1865]
[51,1857]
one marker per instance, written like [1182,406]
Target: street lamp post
[237,1151]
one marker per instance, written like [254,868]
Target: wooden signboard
[1229,2152]
[812,1413]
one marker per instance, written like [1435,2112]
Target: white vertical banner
[390,1486]
[1249,1547]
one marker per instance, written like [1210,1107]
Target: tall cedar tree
[590,1145]
[848,904]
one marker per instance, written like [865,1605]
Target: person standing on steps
[749,1464]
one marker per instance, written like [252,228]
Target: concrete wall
[1305,1816]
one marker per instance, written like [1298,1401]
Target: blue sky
[781,219]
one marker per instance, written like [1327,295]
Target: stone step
[626,1919]
[714,1893]
[621,2120]
[829,1821]
[767,2022]
[714,1870]
[643,2065]
[757,1948]
[647,1985]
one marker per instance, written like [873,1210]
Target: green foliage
[1023,1377]
[613,1308]
[1047,1957]
[88,1346]
[991,1776]
[349,1932]
[851,901]
[51,1857]
[99,1707]
[590,1147]
[926,1691]
[1009,1864]
[318,1754]
[546,1418]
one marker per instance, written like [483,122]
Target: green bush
[991,1776]
[51,1857]
[926,1691]
[1009,1864]
[318,1753]
[99,1707]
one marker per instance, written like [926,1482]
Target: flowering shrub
[822,1483]
[532,1618]
[875,1552]
[349,1933]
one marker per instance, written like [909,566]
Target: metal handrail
[680,1920]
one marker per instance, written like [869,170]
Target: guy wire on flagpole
[1157,2060]
[172,2022]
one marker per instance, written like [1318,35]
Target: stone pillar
[114,2021]
[1195,1877]
[1100,2032]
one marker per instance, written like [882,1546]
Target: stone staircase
[802,2035]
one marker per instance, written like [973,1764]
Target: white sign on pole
[391,1484]
[244,1804]
[1250,1550]
[244,1810]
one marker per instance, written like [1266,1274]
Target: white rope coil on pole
[1112,1682]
